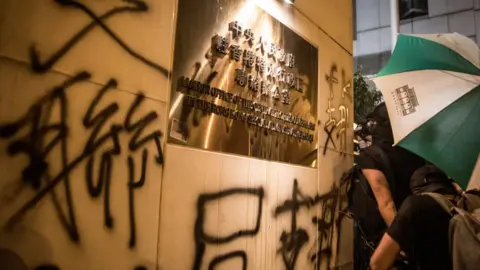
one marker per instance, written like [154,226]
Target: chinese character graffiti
[203,239]
[38,148]
[334,208]
[342,126]
[55,267]
[130,6]
[296,238]
[55,147]
[334,125]
[293,241]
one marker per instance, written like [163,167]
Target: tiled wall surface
[83,110]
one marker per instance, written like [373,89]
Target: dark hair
[429,178]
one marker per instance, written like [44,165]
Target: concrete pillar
[394,18]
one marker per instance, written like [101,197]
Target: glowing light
[175,105]
[212,116]
[244,15]
[209,128]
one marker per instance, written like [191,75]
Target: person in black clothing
[390,188]
[420,228]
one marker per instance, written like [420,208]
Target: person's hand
[401,261]
[458,188]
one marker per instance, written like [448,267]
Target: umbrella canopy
[431,86]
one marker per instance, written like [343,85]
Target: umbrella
[431,88]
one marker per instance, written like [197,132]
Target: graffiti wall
[249,214]
[89,182]
[82,116]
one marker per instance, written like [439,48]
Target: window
[372,63]
[410,9]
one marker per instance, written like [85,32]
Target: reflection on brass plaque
[243,83]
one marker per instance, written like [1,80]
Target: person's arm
[381,191]
[384,256]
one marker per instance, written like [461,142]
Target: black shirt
[421,229]
[402,162]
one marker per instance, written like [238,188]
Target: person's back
[421,230]
[404,164]
[421,226]
[401,162]
[383,185]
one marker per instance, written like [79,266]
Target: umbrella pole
[394,21]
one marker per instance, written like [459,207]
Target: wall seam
[58,72]
[325,32]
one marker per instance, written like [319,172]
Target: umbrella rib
[456,76]
[458,129]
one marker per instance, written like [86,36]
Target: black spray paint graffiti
[332,125]
[331,122]
[334,209]
[37,119]
[131,6]
[202,238]
[231,255]
[55,267]
[44,137]
[293,241]
[39,144]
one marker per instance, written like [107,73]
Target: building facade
[372,42]
[90,176]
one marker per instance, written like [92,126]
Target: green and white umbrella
[431,86]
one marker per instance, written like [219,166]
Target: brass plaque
[243,83]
